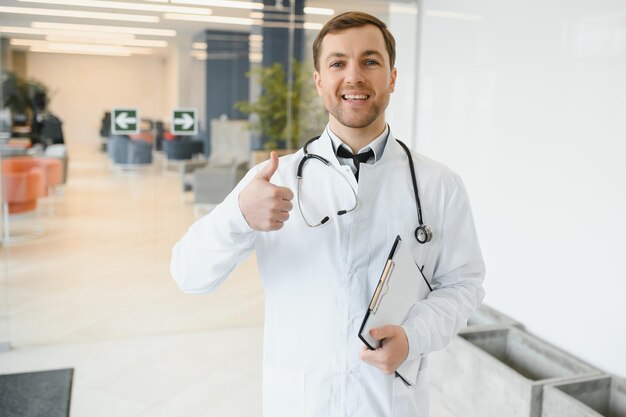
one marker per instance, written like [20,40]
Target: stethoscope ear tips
[324,220]
[423,234]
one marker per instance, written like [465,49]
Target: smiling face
[355,80]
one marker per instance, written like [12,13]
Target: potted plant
[22,97]
[283,116]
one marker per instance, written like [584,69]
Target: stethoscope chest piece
[423,234]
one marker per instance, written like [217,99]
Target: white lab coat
[318,281]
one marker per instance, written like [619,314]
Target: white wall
[402,23]
[527,101]
[85,86]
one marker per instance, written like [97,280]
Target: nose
[354,74]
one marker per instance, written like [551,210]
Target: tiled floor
[94,293]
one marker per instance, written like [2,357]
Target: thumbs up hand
[266,206]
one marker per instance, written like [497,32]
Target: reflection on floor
[94,293]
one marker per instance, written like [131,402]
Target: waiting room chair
[21,186]
[182,149]
[59,152]
[214,182]
[52,170]
[124,151]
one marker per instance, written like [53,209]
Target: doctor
[320,268]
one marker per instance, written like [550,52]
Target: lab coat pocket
[411,400]
[283,392]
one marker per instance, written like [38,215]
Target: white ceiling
[185,29]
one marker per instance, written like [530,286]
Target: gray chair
[181,149]
[213,183]
[59,151]
[8,151]
[230,140]
[139,152]
[124,151]
[117,149]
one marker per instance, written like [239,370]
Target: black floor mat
[36,394]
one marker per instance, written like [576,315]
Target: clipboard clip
[382,287]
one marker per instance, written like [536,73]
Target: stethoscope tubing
[423,233]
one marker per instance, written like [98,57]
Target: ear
[392,79]
[318,82]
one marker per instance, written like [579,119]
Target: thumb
[384,332]
[270,168]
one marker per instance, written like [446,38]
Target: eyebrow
[368,53]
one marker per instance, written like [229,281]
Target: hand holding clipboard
[400,286]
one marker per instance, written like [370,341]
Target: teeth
[355,96]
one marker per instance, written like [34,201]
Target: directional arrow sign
[124,121]
[185,121]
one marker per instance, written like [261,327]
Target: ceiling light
[127,42]
[201,55]
[313,26]
[198,45]
[74,34]
[106,29]
[223,3]
[65,46]
[397,8]
[39,49]
[22,30]
[210,19]
[124,5]
[81,15]
[255,57]
[104,48]
[319,10]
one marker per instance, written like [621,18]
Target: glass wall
[4,128]
[156,123]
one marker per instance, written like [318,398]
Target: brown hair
[349,20]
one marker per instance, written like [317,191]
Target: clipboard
[401,284]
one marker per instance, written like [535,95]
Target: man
[319,276]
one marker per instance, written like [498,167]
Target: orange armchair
[21,187]
[52,170]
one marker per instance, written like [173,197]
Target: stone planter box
[594,397]
[488,317]
[485,318]
[501,372]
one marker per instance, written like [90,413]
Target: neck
[357,137]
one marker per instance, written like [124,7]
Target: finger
[281,216]
[284,206]
[384,332]
[269,169]
[373,357]
[286,193]
[278,225]
[271,225]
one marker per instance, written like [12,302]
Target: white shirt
[318,281]
[377,145]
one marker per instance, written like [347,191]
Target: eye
[338,64]
[371,62]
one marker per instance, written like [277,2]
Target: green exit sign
[185,121]
[124,121]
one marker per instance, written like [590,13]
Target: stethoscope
[423,233]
